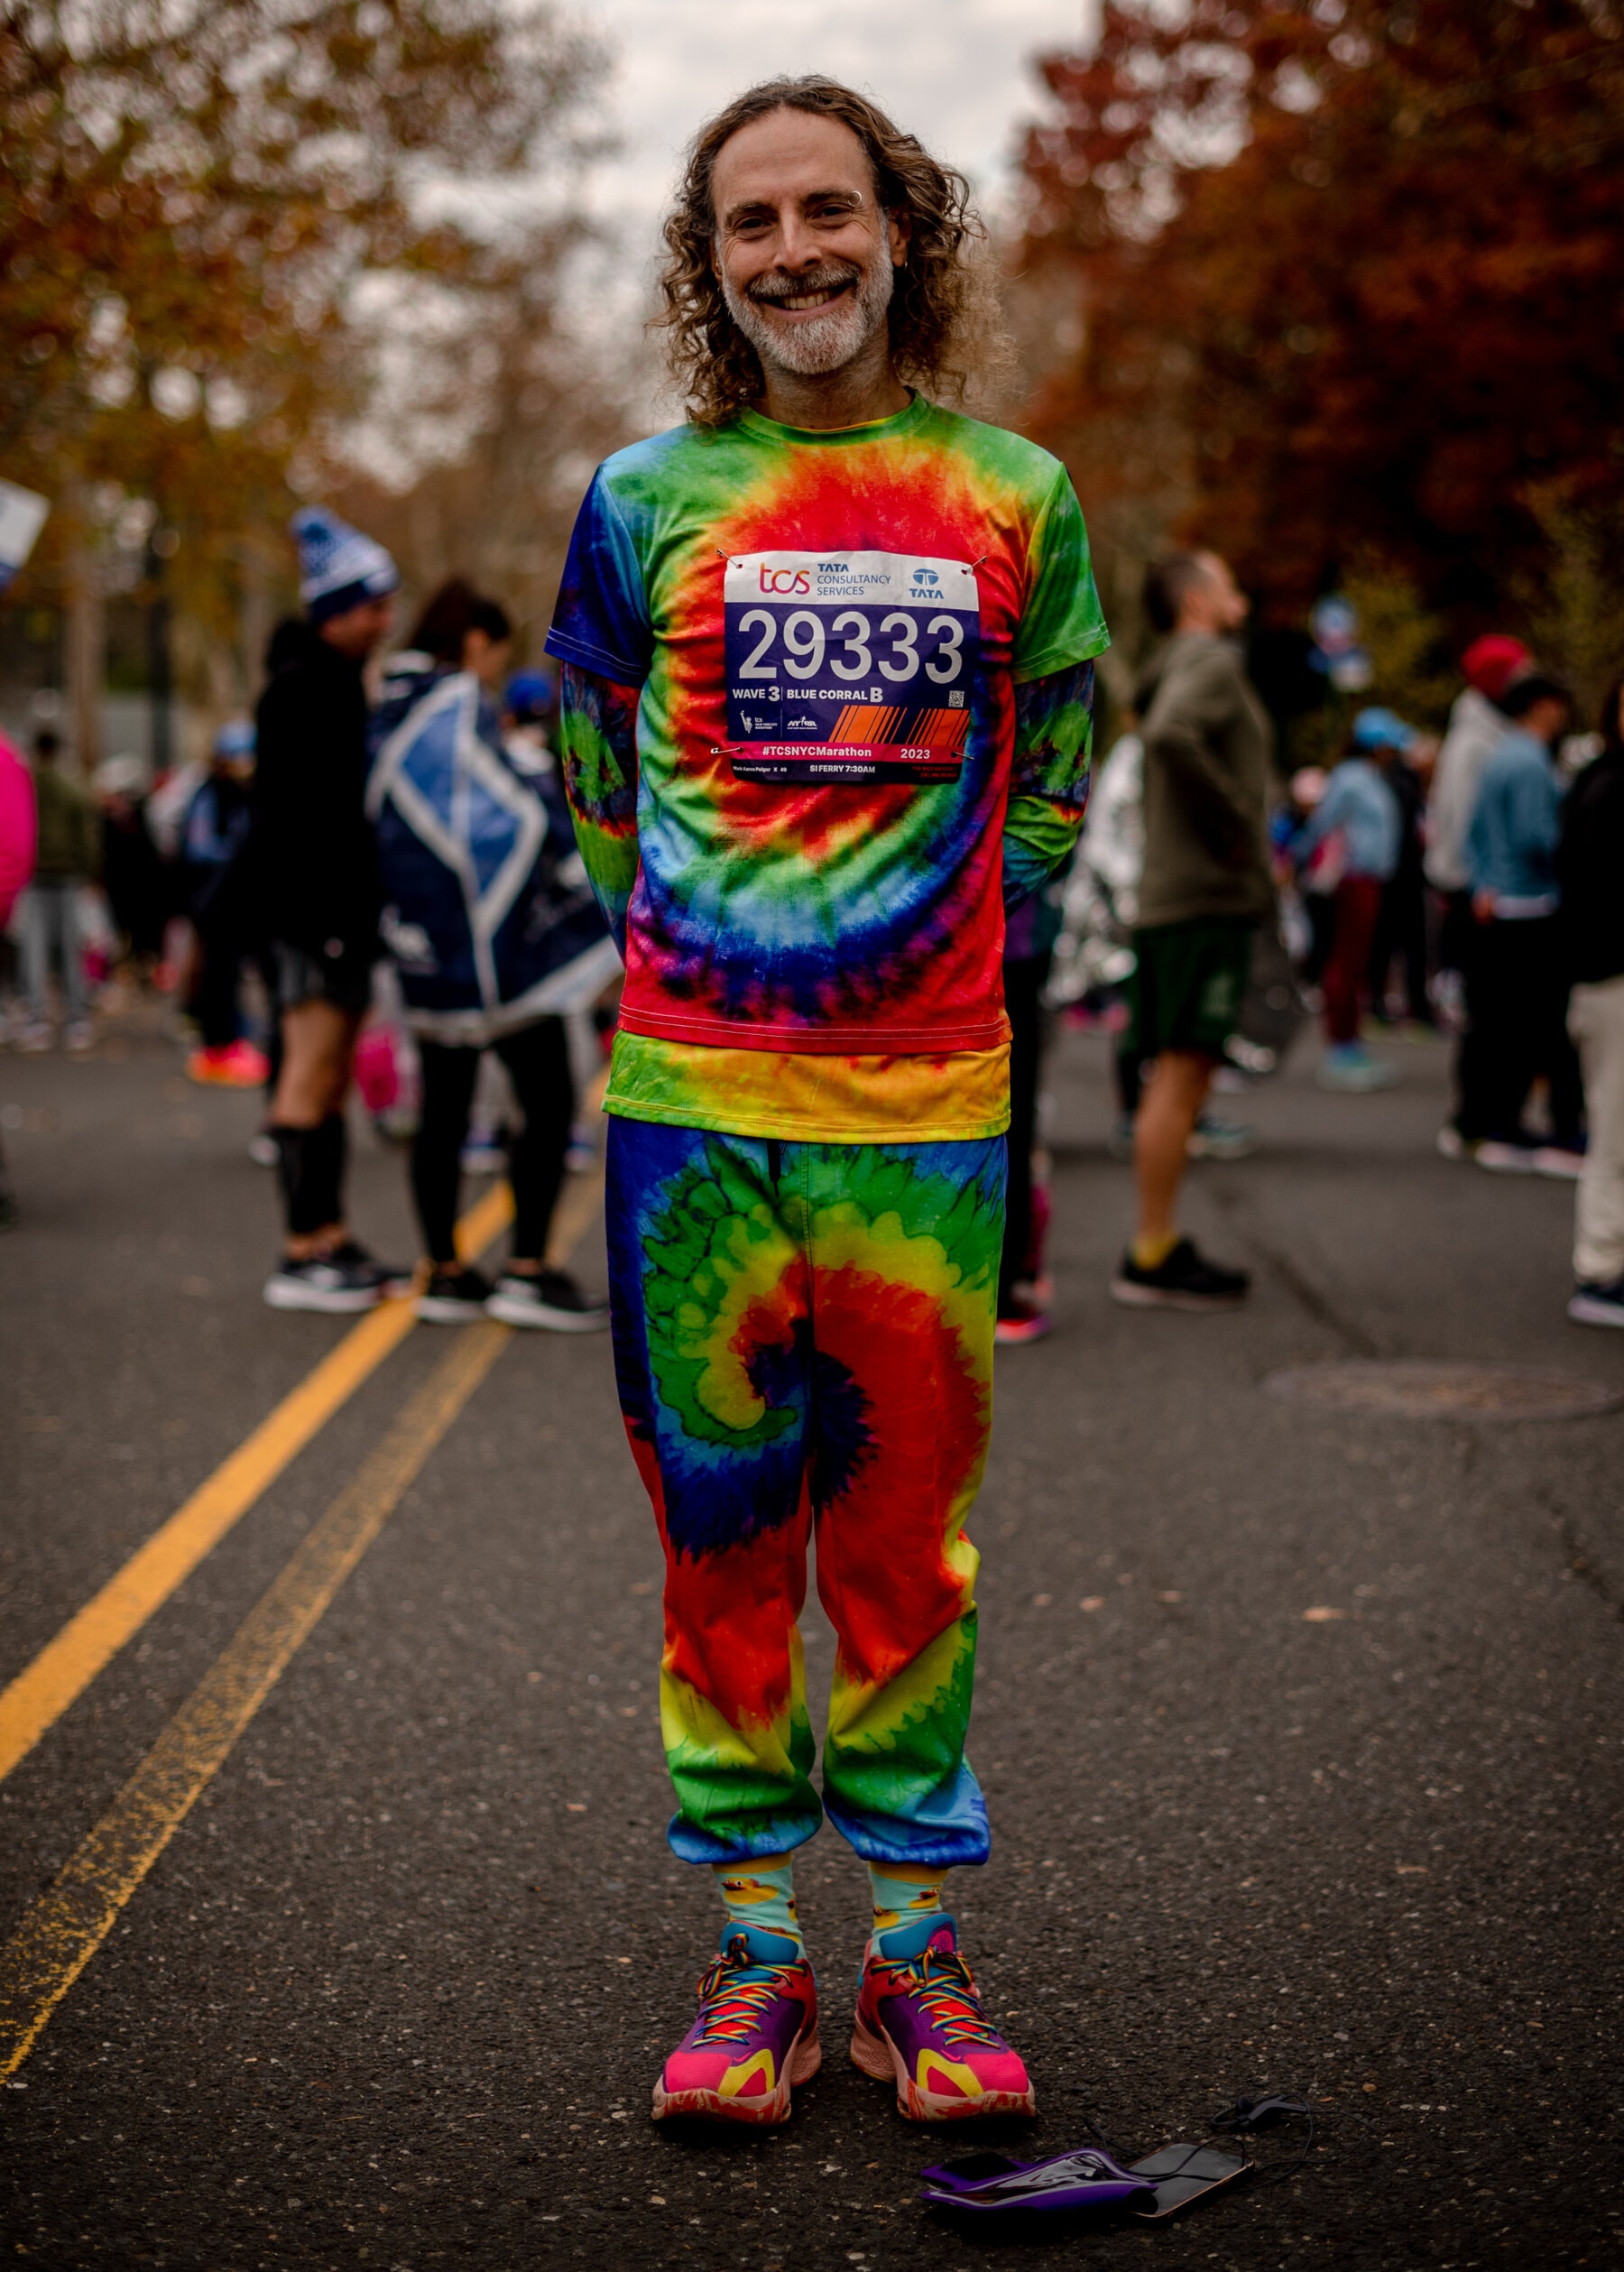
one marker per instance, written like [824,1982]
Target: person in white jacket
[1477,724]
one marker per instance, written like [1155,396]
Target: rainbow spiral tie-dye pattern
[792,733]
[803,1339]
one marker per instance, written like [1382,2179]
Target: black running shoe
[392,1282]
[1183,1280]
[327,1282]
[453,1297]
[552,1300]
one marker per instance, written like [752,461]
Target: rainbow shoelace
[941,1985]
[731,2008]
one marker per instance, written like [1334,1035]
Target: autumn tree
[203,207]
[1348,277]
[498,433]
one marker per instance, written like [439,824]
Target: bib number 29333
[849,667]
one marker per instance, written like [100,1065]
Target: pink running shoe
[920,2021]
[756,2034]
[237,1065]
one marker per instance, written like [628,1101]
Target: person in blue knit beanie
[315,877]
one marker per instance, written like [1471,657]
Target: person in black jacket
[315,880]
[1590,873]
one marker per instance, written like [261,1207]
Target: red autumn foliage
[1351,277]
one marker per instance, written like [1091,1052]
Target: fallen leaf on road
[1092,1602]
[1322,1617]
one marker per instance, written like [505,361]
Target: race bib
[853,667]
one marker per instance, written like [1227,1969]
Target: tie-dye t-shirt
[826,633]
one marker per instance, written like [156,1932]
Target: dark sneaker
[552,1300]
[453,1298]
[392,1282]
[327,1282]
[484,1152]
[1183,1280]
[754,2036]
[1594,1304]
[921,2025]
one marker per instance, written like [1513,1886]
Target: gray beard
[830,341]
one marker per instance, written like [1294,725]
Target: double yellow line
[60,1934]
[66,1926]
[65,1667]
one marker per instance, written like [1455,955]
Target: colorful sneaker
[1020,1317]
[755,2035]
[1348,1066]
[236,1065]
[920,2023]
[1215,1139]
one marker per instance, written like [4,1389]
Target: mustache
[824,278]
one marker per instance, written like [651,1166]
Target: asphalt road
[394,1994]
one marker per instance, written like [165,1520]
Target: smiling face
[805,253]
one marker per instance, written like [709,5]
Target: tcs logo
[796,581]
[926,576]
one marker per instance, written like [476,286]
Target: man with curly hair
[828,673]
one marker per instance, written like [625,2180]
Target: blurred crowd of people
[381,864]
[1466,884]
[373,880]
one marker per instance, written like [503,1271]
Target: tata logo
[781,579]
[926,576]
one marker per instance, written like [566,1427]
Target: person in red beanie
[1492,666]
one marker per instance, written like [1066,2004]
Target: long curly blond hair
[946,333]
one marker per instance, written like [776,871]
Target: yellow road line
[572,1217]
[65,1667]
[62,1932]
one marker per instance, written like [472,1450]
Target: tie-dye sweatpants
[803,1342]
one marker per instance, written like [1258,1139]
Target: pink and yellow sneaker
[920,2021]
[755,2035]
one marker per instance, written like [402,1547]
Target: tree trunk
[85,663]
[257,616]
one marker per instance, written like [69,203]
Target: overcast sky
[955,73]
